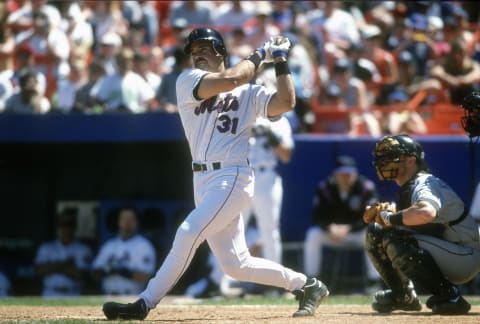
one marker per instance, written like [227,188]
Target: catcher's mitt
[372,212]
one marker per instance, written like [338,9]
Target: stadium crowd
[373,64]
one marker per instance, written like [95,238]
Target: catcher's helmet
[471,119]
[207,34]
[388,151]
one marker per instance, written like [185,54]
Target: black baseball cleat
[131,311]
[448,305]
[310,297]
[386,301]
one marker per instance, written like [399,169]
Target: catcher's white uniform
[218,130]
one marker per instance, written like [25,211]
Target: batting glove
[385,215]
[279,46]
[267,57]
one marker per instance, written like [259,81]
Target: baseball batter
[270,142]
[431,240]
[218,107]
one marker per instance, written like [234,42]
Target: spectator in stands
[24,60]
[7,46]
[354,95]
[142,13]
[135,39]
[50,49]
[338,206]
[107,18]
[5,285]
[338,27]
[125,91]
[64,262]
[435,33]
[458,73]
[413,84]
[141,66]
[262,27]
[399,119]
[28,100]
[7,41]
[9,78]
[456,23]
[195,12]
[109,47]
[6,88]
[125,263]
[233,15]
[166,93]
[157,61]
[238,46]
[284,14]
[383,60]
[64,99]
[23,18]
[83,101]
[416,41]
[79,32]
[180,29]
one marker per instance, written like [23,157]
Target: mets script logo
[225,122]
[226,104]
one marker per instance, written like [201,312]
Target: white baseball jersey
[58,284]
[261,154]
[134,254]
[218,130]
[267,202]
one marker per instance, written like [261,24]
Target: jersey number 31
[227,124]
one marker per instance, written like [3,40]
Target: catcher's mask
[207,34]
[389,149]
[471,118]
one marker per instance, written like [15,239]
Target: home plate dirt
[199,314]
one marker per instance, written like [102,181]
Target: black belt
[459,219]
[203,166]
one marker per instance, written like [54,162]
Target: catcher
[471,118]
[431,241]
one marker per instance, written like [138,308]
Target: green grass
[55,302]
[251,300]
[259,300]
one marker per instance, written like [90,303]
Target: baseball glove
[372,212]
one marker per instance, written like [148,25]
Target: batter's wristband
[281,68]
[279,54]
[396,219]
[255,59]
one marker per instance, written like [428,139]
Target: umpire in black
[430,241]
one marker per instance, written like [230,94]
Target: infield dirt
[199,314]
